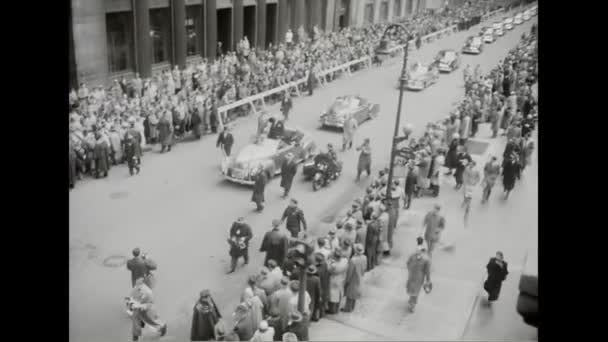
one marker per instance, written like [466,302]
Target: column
[329,15]
[337,10]
[90,41]
[377,11]
[315,13]
[391,7]
[261,23]
[143,43]
[283,18]
[300,10]
[237,23]
[179,32]
[211,28]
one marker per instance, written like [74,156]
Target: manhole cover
[119,194]
[115,261]
[476,147]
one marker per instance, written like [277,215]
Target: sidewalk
[441,315]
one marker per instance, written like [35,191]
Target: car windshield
[418,69]
[476,40]
[344,104]
[263,148]
[449,55]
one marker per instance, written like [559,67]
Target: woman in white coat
[338,266]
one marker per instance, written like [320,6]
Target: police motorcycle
[321,169]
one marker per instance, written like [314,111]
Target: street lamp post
[383,50]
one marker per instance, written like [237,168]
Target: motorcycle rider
[333,168]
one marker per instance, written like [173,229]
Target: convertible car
[508,23]
[419,76]
[519,19]
[448,60]
[488,34]
[345,107]
[527,15]
[269,153]
[498,31]
[473,45]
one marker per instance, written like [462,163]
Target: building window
[160,34]
[397,9]
[368,14]
[384,11]
[194,30]
[119,33]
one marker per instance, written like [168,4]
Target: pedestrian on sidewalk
[244,326]
[354,277]
[240,235]
[274,321]
[255,291]
[365,159]
[288,172]
[497,273]
[384,219]
[411,179]
[131,155]
[259,186]
[510,172]
[463,159]
[298,325]
[293,302]
[295,218]
[265,333]
[275,244]
[165,131]
[320,263]
[225,140]
[255,305]
[144,311]
[348,133]
[451,162]
[361,233]
[337,274]
[491,171]
[313,287]
[206,315]
[280,301]
[434,224]
[286,105]
[419,275]
[372,242]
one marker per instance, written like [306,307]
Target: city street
[179,211]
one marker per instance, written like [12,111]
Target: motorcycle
[319,171]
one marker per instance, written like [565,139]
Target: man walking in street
[225,140]
[365,159]
[288,171]
[294,217]
[434,224]
[419,275]
[258,188]
[140,267]
[275,244]
[240,234]
[348,133]
[286,105]
[131,154]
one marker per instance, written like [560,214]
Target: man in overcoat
[240,235]
[225,140]
[313,287]
[165,131]
[365,159]
[274,244]
[288,172]
[434,224]
[294,217]
[323,273]
[372,242]
[258,188]
[419,273]
[286,105]
[354,277]
[348,134]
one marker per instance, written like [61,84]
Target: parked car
[419,76]
[448,60]
[345,107]
[498,31]
[527,302]
[473,45]
[270,153]
[487,34]
[508,23]
[519,19]
[527,16]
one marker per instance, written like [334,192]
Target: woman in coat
[497,273]
[206,315]
[354,276]
[165,131]
[365,159]
[337,274]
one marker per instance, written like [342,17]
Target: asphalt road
[179,209]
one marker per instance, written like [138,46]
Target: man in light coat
[419,273]
[354,276]
[434,224]
[348,135]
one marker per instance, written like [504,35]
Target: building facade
[115,38]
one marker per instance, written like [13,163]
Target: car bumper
[445,68]
[488,40]
[238,180]
[414,86]
[471,51]
[334,124]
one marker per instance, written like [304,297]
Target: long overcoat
[365,158]
[205,317]
[102,154]
[354,276]
[165,131]
[323,272]
[419,268]
[258,188]
[496,275]
[275,245]
[337,275]
[288,171]
[313,287]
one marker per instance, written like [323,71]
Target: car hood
[252,152]
[446,60]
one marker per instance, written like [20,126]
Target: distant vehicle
[420,76]
[487,34]
[269,153]
[498,31]
[448,60]
[473,45]
[519,19]
[527,302]
[345,107]
[508,23]
[527,15]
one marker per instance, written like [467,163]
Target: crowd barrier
[344,68]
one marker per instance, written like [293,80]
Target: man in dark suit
[139,266]
[225,140]
[274,244]
[294,217]
[277,129]
[258,188]
[288,172]
[240,234]
[286,105]
[313,287]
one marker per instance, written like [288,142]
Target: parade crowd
[339,259]
[113,125]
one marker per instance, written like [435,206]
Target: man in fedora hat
[288,172]
[354,277]
[205,317]
[244,325]
[372,242]
[240,235]
[275,244]
[313,287]
[131,154]
[419,274]
[298,326]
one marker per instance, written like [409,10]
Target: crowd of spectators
[176,102]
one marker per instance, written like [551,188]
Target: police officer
[295,218]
